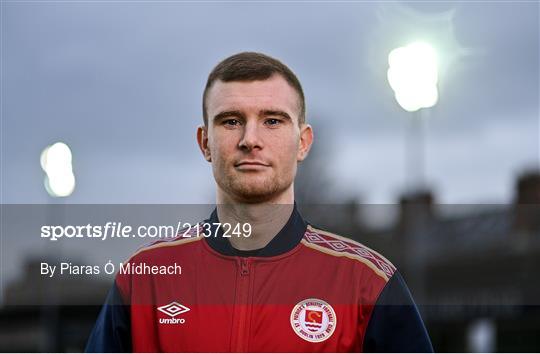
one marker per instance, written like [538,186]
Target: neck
[266,218]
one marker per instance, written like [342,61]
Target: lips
[251,163]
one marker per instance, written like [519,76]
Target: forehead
[273,93]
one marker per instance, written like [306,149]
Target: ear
[202,140]
[306,139]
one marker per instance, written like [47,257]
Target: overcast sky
[121,83]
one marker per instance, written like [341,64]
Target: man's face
[253,138]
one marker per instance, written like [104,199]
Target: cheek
[288,151]
[222,147]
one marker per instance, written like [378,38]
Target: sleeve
[395,324]
[112,331]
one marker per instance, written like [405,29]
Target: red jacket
[307,290]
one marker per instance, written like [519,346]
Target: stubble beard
[253,189]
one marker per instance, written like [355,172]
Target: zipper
[244,267]
[243,307]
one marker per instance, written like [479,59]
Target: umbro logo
[173,309]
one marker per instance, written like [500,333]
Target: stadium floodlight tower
[56,162]
[413,76]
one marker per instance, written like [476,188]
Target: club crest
[313,320]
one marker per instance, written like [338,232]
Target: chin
[255,194]
[253,188]
[255,191]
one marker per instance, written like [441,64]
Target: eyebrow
[273,112]
[264,112]
[226,114]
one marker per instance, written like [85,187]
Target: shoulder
[340,246]
[184,239]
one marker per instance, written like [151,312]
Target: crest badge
[313,320]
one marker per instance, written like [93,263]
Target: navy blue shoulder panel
[112,332]
[395,324]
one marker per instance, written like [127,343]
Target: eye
[272,121]
[231,122]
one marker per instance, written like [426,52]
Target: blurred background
[450,192]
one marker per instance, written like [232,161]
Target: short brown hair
[252,66]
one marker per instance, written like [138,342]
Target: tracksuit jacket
[308,290]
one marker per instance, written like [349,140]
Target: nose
[251,138]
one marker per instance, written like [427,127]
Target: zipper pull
[244,267]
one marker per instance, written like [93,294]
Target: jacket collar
[286,239]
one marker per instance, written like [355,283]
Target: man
[280,285]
